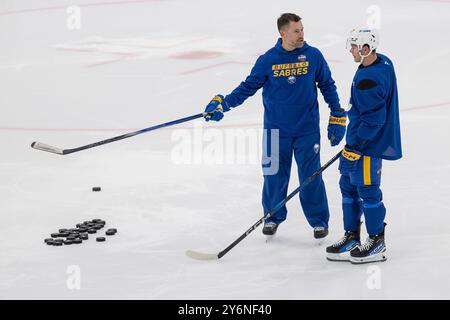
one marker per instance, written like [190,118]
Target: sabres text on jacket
[290,69]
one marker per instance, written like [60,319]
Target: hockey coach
[290,74]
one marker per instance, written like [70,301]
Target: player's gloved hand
[349,158]
[336,126]
[215,108]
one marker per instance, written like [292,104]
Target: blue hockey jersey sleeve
[368,95]
[249,86]
[326,83]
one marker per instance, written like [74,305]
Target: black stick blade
[46,147]
[202,256]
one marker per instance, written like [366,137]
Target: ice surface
[134,64]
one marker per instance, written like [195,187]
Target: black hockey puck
[55,235]
[96,220]
[49,241]
[96,188]
[92,230]
[112,229]
[84,236]
[110,233]
[100,239]
[97,226]
[68,241]
[62,230]
[77,241]
[57,243]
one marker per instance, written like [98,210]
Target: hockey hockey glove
[215,108]
[336,126]
[348,160]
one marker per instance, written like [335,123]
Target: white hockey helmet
[362,36]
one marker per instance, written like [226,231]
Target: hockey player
[289,74]
[373,134]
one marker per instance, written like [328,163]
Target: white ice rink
[134,64]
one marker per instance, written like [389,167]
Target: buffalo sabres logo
[316,148]
[301,57]
[291,79]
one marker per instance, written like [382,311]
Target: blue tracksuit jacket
[289,80]
[374,122]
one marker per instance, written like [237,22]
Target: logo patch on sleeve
[366,84]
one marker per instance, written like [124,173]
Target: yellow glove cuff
[217,98]
[341,121]
[351,156]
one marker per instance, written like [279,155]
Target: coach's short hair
[285,18]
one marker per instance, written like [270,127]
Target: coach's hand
[215,108]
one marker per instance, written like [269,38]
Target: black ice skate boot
[373,250]
[340,251]
[270,228]
[320,233]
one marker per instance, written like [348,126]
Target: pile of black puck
[79,234]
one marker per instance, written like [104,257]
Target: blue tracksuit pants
[313,198]
[361,193]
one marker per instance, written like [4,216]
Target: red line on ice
[125,55]
[107,3]
[224,63]
[65,129]
[122,56]
[213,66]
[427,106]
[254,124]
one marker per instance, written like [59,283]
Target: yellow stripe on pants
[366,169]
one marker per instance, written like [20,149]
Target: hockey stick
[216,256]
[45,147]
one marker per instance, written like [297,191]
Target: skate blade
[379,257]
[320,241]
[339,257]
[201,256]
[269,238]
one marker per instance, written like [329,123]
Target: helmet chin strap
[363,56]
